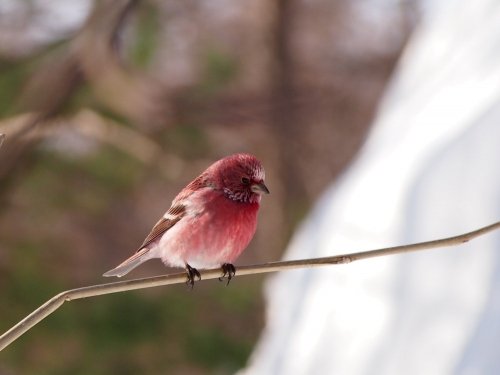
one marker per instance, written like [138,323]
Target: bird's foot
[228,270]
[191,274]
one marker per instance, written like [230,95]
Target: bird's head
[241,178]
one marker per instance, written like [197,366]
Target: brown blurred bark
[285,117]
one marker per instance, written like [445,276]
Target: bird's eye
[245,180]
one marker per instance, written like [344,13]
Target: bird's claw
[228,270]
[191,274]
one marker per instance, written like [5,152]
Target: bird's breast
[216,230]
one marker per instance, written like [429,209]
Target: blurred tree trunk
[285,116]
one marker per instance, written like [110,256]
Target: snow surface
[430,169]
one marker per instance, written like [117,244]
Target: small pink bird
[210,222]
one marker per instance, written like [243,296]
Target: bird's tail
[128,265]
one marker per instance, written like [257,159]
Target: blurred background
[111,107]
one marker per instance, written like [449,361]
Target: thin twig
[2,137]
[96,290]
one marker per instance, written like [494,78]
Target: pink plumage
[210,222]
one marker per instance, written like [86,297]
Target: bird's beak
[259,188]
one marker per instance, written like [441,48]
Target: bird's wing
[172,217]
[176,211]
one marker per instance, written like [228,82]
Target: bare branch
[96,290]
[2,137]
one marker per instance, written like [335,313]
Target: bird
[209,223]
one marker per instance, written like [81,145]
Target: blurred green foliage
[73,183]
[219,70]
[145,43]
[188,140]
[131,333]
[12,76]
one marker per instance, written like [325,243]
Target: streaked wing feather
[175,214]
[176,210]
